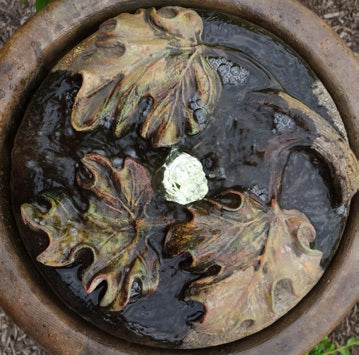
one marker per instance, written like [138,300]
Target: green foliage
[325,347]
[41,4]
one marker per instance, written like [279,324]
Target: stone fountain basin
[25,61]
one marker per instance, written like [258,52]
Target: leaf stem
[338,350]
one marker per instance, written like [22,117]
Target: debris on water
[230,72]
[108,121]
[117,163]
[261,193]
[199,110]
[283,123]
[341,210]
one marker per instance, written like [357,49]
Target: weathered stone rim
[24,61]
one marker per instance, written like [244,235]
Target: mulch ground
[341,15]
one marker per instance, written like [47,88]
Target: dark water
[47,153]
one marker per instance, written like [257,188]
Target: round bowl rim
[24,62]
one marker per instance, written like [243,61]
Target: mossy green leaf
[115,228]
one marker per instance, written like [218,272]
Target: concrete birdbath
[178,175]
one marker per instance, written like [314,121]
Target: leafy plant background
[343,16]
[326,347]
[40,4]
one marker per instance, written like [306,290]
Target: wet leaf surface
[152,53]
[114,228]
[264,260]
[241,239]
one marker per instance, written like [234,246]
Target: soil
[342,15]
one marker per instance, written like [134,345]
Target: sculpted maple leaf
[152,53]
[265,265]
[212,235]
[115,227]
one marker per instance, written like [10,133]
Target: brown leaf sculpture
[265,260]
[212,236]
[152,53]
[115,228]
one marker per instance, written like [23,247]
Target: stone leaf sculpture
[115,228]
[264,260]
[255,259]
[156,54]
